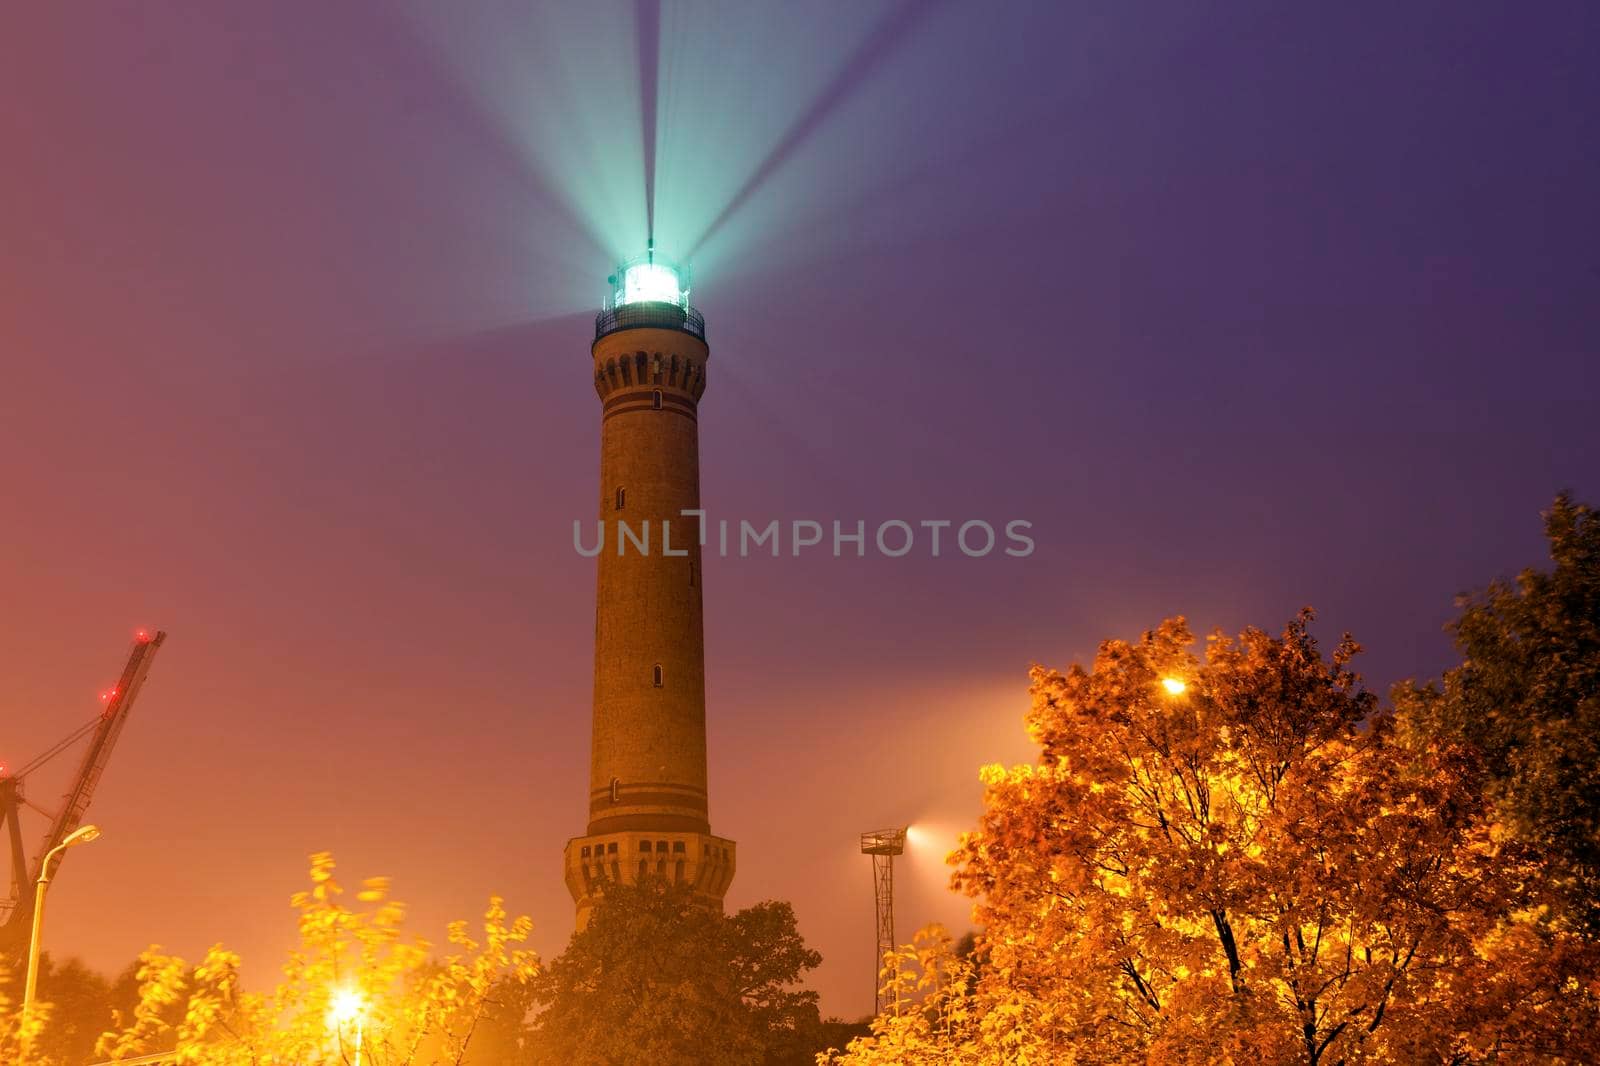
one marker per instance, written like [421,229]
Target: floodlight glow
[1173,685]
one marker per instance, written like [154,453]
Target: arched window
[616,794]
[656,675]
[622,496]
[655,399]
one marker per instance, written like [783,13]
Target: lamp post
[81,835]
[349,1005]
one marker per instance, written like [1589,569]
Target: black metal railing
[656,315]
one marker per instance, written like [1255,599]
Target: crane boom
[75,803]
[112,719]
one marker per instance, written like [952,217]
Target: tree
[658,976]
[80,1009]
[414,1010]
[1254,868]
[1526,703]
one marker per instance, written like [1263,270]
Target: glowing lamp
[346,1006]
[650,279]
[884,842]
[650,283]
[1174,685]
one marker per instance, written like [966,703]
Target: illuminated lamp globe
[650,279]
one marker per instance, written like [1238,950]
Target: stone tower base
[697,859]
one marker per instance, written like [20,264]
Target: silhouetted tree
[80,1009]
[657,976]
[1526,704]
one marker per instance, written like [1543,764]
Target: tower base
[698,859]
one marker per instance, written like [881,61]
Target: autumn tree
[415,1008]
[1525,702]
[657,976]
[1238,860]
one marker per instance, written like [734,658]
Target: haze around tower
[1241,310]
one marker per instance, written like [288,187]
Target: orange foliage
[416,1010]
[1256,869]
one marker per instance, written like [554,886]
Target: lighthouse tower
[648,809]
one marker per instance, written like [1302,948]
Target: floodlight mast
[883,845]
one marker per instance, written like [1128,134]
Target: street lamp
[348,1006]
[1174,685]
[81,835]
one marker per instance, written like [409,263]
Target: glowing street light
[1174,685]
[348,1006]
[81,835]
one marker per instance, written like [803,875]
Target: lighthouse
[648,806]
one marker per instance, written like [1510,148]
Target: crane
[102,731]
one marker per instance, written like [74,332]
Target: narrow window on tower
[655,400]
[616,794]
[622,495]
[691,573]
[655,674]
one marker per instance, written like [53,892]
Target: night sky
[1245,307]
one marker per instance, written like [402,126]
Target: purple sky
[1243,309]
